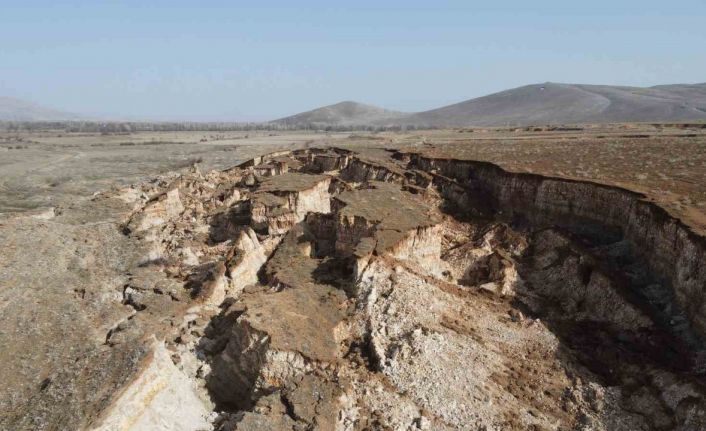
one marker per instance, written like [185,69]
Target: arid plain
[666,162]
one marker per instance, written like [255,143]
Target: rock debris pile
[329,289]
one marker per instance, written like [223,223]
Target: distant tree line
[131,127]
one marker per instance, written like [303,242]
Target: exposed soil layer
[404,289]
[398,290]
[670,169]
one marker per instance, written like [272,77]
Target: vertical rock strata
[284,200]
[673,253]
[328,289]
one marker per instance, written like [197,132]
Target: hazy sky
[237,60]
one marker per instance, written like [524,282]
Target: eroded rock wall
[672,250]
[329,289]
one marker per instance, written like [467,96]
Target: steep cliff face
[384,219]
[673,254]
[246,260]
[161,391]
[284,200]
[160,210]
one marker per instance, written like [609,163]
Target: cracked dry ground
[329,289]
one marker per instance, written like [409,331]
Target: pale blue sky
[238,60]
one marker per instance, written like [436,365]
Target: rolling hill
[12,109]
[548,103]
[346,113]
[552,103]
[536,104]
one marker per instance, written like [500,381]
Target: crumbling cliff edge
[330,288]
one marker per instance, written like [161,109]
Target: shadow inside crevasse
[614,317]
[224,225]
[616,321]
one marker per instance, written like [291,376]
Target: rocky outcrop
[326,161]
[245,260]
[386,220]
[282,201]
[160,398]
[332,289]
[158,211]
